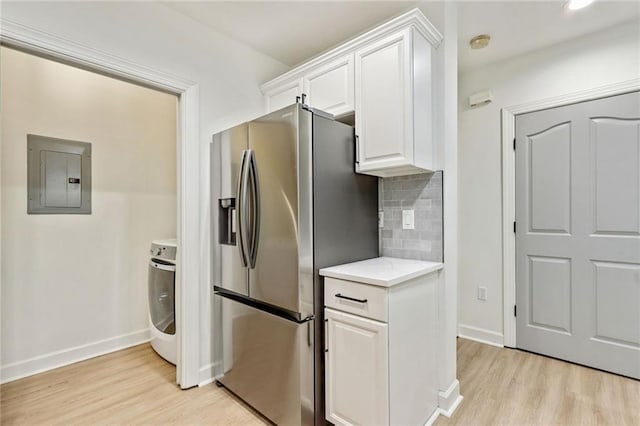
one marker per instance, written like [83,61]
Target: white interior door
[578,233]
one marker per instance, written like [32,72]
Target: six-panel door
[357,370]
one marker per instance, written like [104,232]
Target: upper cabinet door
[283,95]
[384,103]
[330,87]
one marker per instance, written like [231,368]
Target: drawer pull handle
[351,298]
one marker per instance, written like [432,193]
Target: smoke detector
[479,42]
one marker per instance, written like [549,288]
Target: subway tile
[422,203]
[423,194]
[431,192]
[392,252]
[391,243]
[414,184]
[412,244]
[435,224]
[409,234]
[408,204]
[393,223]
[431,235]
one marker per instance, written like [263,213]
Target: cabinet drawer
[370,301]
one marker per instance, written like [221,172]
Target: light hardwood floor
[510,387]
[130,387]
[136,387]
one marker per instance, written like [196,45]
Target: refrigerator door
[227,152]
[282,275]
[268,362]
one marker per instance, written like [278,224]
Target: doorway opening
[186,120]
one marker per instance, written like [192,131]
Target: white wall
[76,280]
[149,34]
[602,58]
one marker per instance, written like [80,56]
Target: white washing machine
[162,298]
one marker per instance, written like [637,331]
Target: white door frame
[31,40]
[509,184]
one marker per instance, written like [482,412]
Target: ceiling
[294,31]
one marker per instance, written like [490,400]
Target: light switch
[407,219]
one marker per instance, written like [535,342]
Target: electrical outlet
[482,293]
[380,219]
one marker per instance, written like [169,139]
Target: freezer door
[268,362]
[226,154]
[283,271]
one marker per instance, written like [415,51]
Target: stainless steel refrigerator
[286,202]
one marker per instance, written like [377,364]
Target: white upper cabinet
[394,105]
[385,77]
[330,87]
[283,95]
[327,86]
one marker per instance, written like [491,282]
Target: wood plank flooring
[136,387]
[510,387]
[130,387]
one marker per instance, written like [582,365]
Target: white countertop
[382,271]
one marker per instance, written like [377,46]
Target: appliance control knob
[156,252]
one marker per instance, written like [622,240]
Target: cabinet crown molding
[411,19]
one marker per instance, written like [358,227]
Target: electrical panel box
[59,176]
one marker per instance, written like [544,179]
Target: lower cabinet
[380,351]
[356,364]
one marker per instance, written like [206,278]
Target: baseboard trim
[208,373]
[449,400]
[433,417]
[46,362]
[481,335]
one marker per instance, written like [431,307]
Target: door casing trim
[508,125]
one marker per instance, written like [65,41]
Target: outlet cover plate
[407,219]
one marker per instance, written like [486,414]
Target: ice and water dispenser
[227,221]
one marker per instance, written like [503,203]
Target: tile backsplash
[423,194]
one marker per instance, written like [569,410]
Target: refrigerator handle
[241,208]
[255,209]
